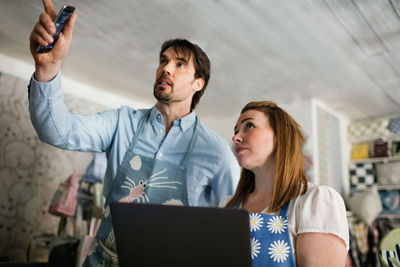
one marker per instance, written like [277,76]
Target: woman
[292,221]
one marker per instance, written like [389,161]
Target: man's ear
[199,83]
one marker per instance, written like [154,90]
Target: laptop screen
[161,235]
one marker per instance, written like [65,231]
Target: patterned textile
[390,201]
[365,130]
[362,175]
[270,239]
[354,251]
[391,258]
[394,125]
[396,148]
[372,259]
[360,231]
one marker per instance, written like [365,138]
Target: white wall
[330,145]
[301,112]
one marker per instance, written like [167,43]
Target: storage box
[380,149]
[360,151]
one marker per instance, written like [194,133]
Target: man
[160,155]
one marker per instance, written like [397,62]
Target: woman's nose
[236,138]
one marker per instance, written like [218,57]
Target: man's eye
[163,62]
[181,65]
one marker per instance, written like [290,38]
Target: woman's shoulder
[320,209]
[318,200]
[319,193]
[225,201]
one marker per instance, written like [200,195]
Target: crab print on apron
[139,179]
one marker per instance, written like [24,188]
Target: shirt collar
[184,123]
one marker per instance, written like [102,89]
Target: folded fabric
[96,170]
[388,173]
[360,151]
[366,205]
[390,201]
[380,149]
[362,175]
[394,125]
[396,148]
[64,199]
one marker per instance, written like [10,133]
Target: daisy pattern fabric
[270,239]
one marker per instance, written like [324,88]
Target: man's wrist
[46,73]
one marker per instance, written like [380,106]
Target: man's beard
[159,93]
[160,96]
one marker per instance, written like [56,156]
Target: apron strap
[139,130]
[284,209]
[107,250]
[191,145]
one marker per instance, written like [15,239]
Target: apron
[270,239]
[139,179]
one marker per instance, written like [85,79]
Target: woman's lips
[239,150]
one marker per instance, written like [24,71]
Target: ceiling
[346,53]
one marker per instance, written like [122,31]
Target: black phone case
[60,22]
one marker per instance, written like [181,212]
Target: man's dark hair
[201,62]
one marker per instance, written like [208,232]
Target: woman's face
[254,139]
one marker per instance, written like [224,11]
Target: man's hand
[48,64]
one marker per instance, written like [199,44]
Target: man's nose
[168,68]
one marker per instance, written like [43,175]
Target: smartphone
[60,22]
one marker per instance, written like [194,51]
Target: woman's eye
[249,125]
[181,65]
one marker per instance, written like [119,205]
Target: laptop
[163,235]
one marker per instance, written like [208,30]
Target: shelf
[378,187]
[375,138]
[389,216]
[376,160]
[388,187]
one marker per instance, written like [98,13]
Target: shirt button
[161,130]
[161,154]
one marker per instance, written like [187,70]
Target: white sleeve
[321,209]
